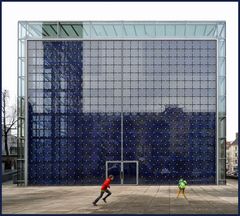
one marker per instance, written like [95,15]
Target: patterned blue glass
[78,91]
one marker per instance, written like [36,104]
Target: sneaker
[104,200]
[94,204]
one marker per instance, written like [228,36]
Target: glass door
[114,168]
[125,172]
[130,172]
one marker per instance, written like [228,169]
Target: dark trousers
[101,194]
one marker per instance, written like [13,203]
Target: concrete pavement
[145,199]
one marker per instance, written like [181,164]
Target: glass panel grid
[78,89]
[25,32]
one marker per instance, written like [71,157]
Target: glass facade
[142,100]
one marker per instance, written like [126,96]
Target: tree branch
[9,128]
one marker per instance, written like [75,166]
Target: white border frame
[26,114]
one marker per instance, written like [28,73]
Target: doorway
[124,172]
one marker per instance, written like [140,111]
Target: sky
[140,11]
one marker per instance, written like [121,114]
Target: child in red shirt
[104,189]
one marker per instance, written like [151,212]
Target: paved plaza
[145,199]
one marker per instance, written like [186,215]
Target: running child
[104,189]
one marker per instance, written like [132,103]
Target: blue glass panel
[66,145]
[74,121]
[130,173]
[171,145]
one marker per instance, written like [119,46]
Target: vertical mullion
[90,74]
[121,110]
[26,116]
[184,75]
[192,71]
[177,65]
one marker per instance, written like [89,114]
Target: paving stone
[209,199]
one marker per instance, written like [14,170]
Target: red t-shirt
[106,184]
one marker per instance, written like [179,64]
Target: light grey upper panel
[122,29]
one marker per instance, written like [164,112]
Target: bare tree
[9,118]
